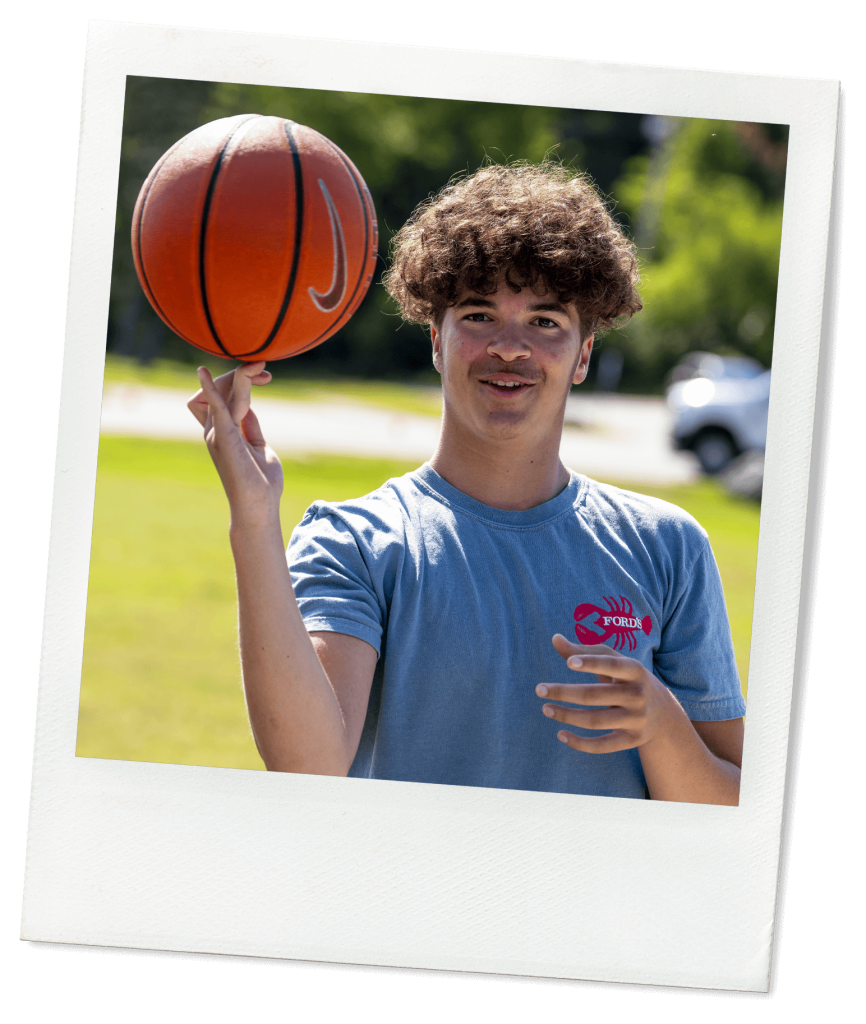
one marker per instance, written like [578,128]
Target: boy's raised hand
[250,471]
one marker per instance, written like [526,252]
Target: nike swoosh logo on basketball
[334,295]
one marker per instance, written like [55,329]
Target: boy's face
[508,361]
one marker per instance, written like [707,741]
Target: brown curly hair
[540,226]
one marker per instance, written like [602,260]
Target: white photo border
[402,874]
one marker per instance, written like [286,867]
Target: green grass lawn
[161,676]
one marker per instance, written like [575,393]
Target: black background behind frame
[813,884]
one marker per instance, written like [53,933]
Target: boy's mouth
[507,384]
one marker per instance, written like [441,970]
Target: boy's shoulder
[644,514]
[379,514]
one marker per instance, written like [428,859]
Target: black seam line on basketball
[333,328]
[296,255]
[151,294]
[203,235]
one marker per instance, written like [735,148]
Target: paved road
[606,436]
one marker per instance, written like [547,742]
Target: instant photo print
[150,854]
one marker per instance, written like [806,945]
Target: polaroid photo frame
[173,857]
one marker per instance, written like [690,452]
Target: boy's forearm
[678,766]
[294,714]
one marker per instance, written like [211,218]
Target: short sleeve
[333,584]
[695,657]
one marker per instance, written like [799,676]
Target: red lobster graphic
[617,620]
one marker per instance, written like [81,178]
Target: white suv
[720,407]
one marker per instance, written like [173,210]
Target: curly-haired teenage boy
[418,632]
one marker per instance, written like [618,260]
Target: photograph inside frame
[527,426]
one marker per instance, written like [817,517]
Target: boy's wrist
[254,526]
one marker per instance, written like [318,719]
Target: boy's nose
[509,346]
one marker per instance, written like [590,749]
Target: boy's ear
[583,362]
[437,350]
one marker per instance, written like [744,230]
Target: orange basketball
[254,238]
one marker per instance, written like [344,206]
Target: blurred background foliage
[703,200]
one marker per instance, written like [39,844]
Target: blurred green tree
[706,204]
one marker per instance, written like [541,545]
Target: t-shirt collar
[430,481]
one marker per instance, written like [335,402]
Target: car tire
[715,450]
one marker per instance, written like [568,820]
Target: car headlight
[697,392]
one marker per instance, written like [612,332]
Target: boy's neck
[502,474]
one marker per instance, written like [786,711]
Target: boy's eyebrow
[536,307]
[475,300]
[547,307]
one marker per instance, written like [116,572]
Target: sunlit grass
[161,675]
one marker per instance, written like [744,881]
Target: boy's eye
[545,321]
[476,317]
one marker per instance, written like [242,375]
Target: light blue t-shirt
[461,601]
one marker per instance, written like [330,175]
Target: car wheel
[714,450]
